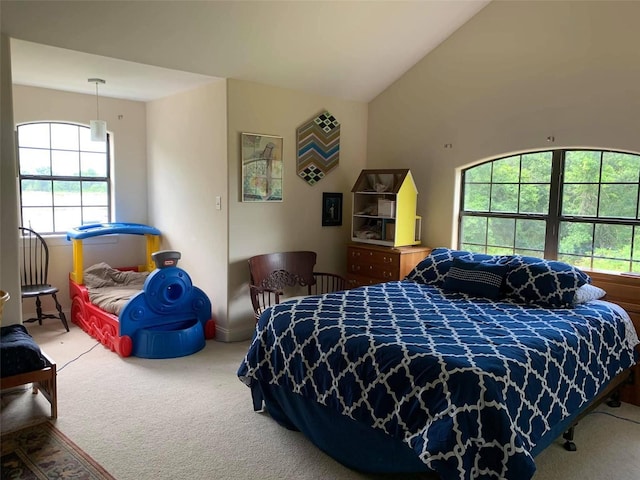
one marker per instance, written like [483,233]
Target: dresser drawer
[384,273]
[366,256]
[354,281]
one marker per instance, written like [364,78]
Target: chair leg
[60,312]
[39,310]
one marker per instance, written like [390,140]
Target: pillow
[546,283]
[434,267]
[475,278]
[588,292]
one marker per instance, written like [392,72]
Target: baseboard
[235,335]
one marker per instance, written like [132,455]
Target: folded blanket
[19,353]
[111,289]
[103,275]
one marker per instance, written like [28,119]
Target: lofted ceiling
[149,49]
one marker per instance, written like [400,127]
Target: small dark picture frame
[331,209]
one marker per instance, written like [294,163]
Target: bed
[150,311]
[23,362]
[468,368]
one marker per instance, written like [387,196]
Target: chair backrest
[34,258]
[277,271]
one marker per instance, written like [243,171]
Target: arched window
[578,206]
[64,177]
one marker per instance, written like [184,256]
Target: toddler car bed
[134,310]
[22,362]
[466,368]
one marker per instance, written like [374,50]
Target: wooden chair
[34,271]
[273,274]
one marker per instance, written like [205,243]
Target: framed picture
[331,209]
[261,168]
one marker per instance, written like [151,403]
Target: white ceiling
[150,49]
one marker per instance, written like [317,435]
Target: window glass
[476,197]
[580,199]
[38,218]
[481,173]
[36,193]
[474,230]
[582,167]
[34,161]
[35,135]
[620,167]
[590,198]
[534,198]
[576,238]
[506,170]
[66,193]
[618,200]
[64,177]
[64,163]
[612,241]
[501,232]
[536,167]
[64,136]
[504,197]
[93,164]
[530,235]
[67,218]
[95,214]
[94,193]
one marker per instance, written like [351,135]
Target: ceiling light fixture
[98,127]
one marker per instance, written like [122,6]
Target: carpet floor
[191,418]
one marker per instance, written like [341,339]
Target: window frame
[554,216]
[107,180]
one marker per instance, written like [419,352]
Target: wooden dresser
[371,264]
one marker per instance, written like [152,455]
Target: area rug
[43,452]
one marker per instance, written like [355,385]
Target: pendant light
[98,127]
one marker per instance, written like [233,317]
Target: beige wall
[296,222]
[12,310]
[187,165]
[515,74]
[126,122]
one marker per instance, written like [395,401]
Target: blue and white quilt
[470,384]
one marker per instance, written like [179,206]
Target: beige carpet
[191,418]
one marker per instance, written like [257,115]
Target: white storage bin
[386,208]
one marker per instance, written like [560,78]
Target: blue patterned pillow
[434,267]
[546,283]
[475,278]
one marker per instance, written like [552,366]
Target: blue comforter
[471,385]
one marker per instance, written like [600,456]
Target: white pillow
[588,292]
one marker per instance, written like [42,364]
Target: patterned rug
[43,452]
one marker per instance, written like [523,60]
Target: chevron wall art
[318,147]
